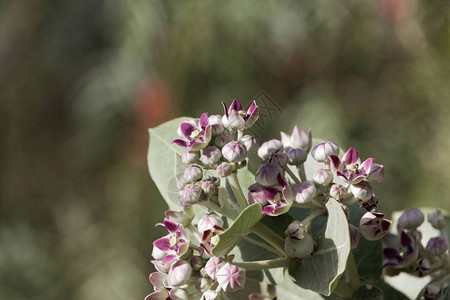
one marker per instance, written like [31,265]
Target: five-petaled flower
[237,118]
[175,244]
[279,198]
[196,133]
[350,167]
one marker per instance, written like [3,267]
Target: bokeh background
[81,81]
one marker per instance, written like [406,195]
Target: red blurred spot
[394,10]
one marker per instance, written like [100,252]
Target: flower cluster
[215,148]
[405,252]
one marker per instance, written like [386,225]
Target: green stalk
[264,264]
[269,236]
[291,174]
[301,172]
[237,190]
[352,272]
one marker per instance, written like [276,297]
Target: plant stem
[301,172]
[264,264]
[314,214]
[269,236]
[237,190]
[229,213]
[291,174]
[352,271]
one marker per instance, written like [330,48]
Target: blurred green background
[81,81]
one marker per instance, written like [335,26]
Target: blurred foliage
[80,83]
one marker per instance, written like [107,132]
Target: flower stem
[314,214]
[237,190]
[291,174]
[301,172]
[264,264]
[352,272]
[269,236]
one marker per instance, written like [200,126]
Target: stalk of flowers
[216,148]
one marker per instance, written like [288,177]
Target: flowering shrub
[286,213]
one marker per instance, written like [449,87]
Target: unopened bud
[209,222]
[338,192]
[305,192]
[280,158]
[432,292]
[210,155]
[362,190]
[204,284]
[436,246]
[295,230]
[323,177]
[411,219]
[370,204]
[213,266]
[267,174]
[234,152]
[299,248]
[197,262]
[222,140]
[321,151]
[297,156]
[224,169]
[216,124]
[249,142]
[189,156]
[179,273]
[376,174]
[436,219]
[373,226]
[231,278]
[192,174]
[269,147]
[191,194]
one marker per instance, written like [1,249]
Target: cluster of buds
[405,252]
[184,261]
[216,148]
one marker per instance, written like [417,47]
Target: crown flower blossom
[248,208]
[235,117]
[196,134]
[350,167]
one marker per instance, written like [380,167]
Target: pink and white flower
[350,167]
[195,134]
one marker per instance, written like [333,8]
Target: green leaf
[321,271]
[369,254]
[289,290]
[240,228]
[391,293]
[161,160]
[364,293]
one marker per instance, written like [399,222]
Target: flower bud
[354,236]
[373,226]
[191,194]
[432,292]
[436,219]
[267,174]
[209,222]
[179,273]
[362,191]
[279,158]
[422,267]
[231,278]
[269,147]
[437,246]
[297,156]
[213,266]
[204,284]
[323,177]
[411,219]
[338,192]
[211,295]
[234,152]
[256,195]
[197,262]
[210,155]
[224,169]
[305,192]
[192,174]
[178,294]
[208,186]
[295,230]
[299,248]
[321,151]
[222,140]
[216,124]
[189,156]
[376,174]
[298,139]
[250,143]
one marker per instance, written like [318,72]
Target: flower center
[195,134]
[352,168]
[173,240]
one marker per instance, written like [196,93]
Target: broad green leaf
[321,271]
[289,290]
[369,254]
[240,228]
[364,293]
[408,284]
[161,160]
[389,292]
